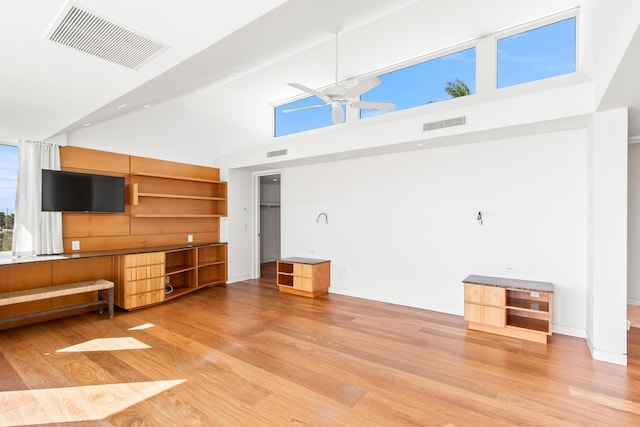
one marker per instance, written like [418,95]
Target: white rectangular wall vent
[89,33]
[277,153]
[457,121]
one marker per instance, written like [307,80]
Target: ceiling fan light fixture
[337,115]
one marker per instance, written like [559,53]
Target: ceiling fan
[337,95]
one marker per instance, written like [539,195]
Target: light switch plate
[75,245]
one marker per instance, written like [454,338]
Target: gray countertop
[300,260]
[503,282]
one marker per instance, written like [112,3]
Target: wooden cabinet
[511,307]
[304,276]
[139,279]
[154,277]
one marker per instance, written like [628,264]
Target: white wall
[236,229]
[402,228]
[607,236]
[633,232]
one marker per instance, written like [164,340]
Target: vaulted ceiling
[252,46]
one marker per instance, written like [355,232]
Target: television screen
[64,191]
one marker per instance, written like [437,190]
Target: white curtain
[35,232]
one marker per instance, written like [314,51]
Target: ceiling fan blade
[371,105]
[309,91]
[290,110]
[363,86]
[337,115]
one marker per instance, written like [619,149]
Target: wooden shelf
[178,196]
[178,269]
[206,264]
[528,305]
[181,178]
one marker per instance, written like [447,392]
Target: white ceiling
[252,46]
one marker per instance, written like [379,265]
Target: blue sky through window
[537,54]
[423,83]
[8,177]
[299,121]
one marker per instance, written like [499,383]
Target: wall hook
[326,218]
[479,218]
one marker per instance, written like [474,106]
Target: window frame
[10,144]
[532,25]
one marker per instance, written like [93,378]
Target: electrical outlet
[510,269]
[535,294]
[75,245]
[190,238]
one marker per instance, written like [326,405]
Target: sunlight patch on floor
[106,344]
[142,327]
[75,404]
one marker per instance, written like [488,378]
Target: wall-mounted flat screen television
[64,191]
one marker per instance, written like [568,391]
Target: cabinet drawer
[147,298]
[303,283]
[144,285]
[304,270]
[484,295]
[494,316]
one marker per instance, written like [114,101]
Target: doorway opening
[267,209]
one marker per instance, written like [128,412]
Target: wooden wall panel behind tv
[156,219]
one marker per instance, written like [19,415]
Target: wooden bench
[15,297]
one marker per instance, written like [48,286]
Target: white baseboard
[238,278]
[572,332]
[633,301]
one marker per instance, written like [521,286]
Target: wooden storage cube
[211,254]
[184,279]
[528,320]
[538,301]
[211,274]
[176,261]
[285,267]
[285,279]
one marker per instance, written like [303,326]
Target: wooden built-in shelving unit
[184,269]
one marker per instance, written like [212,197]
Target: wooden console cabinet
[516,308]
[309,277]
[142,279]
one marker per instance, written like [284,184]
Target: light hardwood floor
[243,354]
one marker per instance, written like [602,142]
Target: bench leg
[100,301]
[108,301]
[111,303]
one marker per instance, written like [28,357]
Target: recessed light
[420,144]
[346,154]
[275,179]
[147,106]
[122,105]
[86,124]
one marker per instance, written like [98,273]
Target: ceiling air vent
[277,153]
[89,33]
[457,121]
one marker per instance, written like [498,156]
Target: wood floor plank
[244,354]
